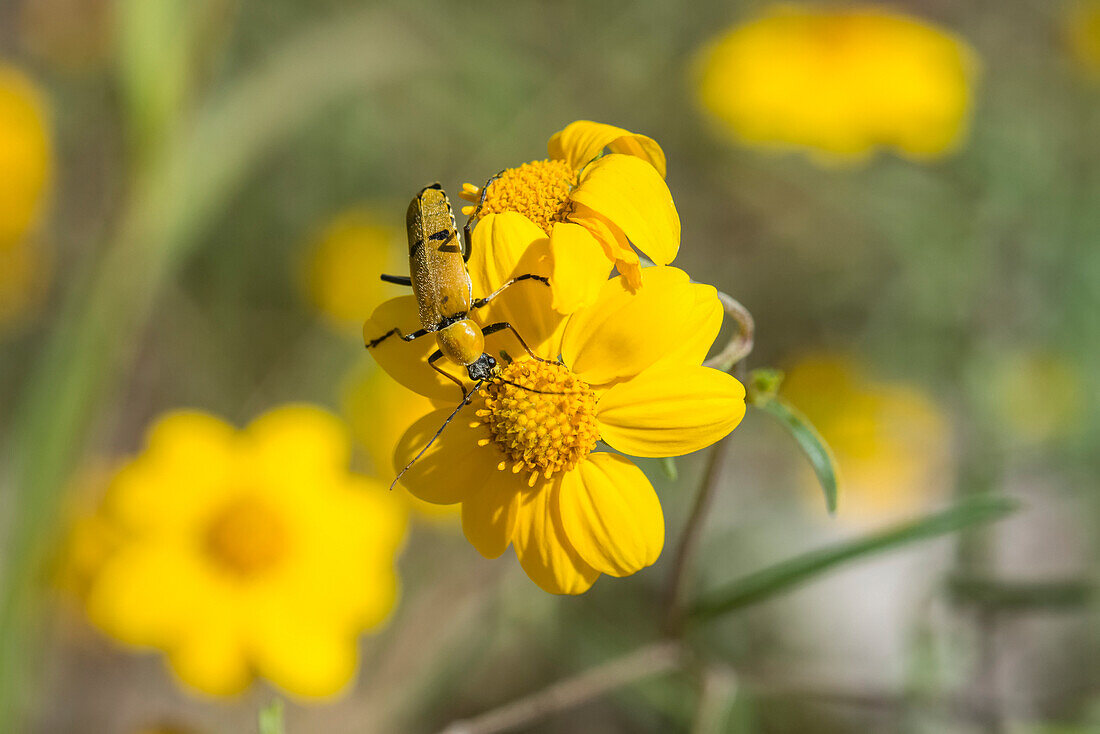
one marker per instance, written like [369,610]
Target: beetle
[441,284]
[443,291]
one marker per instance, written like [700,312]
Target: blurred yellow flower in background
[1035,395]
[251,552]
[342,265]
[1083,25]
[26,157]
[26,161]
[379,410]
[891,442]
[839,81]
[520,458]
[595,209]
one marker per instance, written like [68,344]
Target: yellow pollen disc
[545,426]
[538,190]
[246,537]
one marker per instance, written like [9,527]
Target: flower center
[545,422]
[246,537]
[538,190]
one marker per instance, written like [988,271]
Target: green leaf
[811,443]
[768,582]
[763,385]
[271,718]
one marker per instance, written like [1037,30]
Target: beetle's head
[482,369]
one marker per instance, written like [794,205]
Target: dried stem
[642,663]
[739,347]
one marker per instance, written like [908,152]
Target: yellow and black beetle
[441,285]
[444,297]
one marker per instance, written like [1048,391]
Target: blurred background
[196,197]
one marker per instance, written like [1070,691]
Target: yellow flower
[1035,396]
[1084,34]
[840,82]
[521,460]
[249,552]
[340,274]
[890,441]
[595,209]
[379,411]
[25,155]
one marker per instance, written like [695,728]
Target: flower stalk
[734,353]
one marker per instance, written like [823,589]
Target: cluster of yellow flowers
[26,161]
[839,82]
[618,360]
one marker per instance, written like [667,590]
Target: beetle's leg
[397,279]
[528,276]
[494,328]
[466,230]
[436,356]
[403,337]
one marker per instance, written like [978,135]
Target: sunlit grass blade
[669,469]
[785,575]
[811,443]
[271,718]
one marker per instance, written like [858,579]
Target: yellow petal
[454,468]
[303,658]
[301,440]
[379,410]
[579,142]
[580,267]
[542,547]
[145,594]
[489,516]
[612,515]
[623,333]
[705,315]
[630,195]
[670,410]
[188,456]
[407,362]
[212,658]
[505,246]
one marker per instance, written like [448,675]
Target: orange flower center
[246,538]
[545,421]
[538,190]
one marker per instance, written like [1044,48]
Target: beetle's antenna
[465,401]
[531,389]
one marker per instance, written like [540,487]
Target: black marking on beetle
[443,235]
[417,246]
[448,248]
[437,186]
